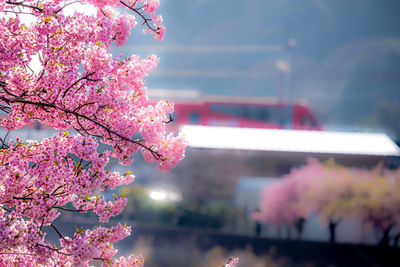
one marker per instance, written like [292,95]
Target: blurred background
[341,56]
[260,87]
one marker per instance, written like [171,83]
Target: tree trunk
[289,231]
[299,226]
[279,232]
[257,229]
[384,242]
[396,240]
[332,233]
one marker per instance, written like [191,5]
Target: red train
[246,112]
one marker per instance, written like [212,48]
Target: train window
[314,123]
[257,113]
[287,117]
[194,117]
[228,110]
[308,121]
[276,115]
[304,121]
[260,113]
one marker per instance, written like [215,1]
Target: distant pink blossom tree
[334,192]
[377,202]
[78,86]
[331,195]
[281,203]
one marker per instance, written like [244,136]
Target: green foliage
[207,215]
[143,209]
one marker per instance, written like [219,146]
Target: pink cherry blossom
[80,87]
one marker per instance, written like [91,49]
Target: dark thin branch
[65,209]
[4,86]
[170,119]
[6,209]
[58,232]
[145,20]
[17,253]
[54,249]
[40,75]
[86,165]
[23,198]
[83,128]
[5,109]
[50,105]
[55,190]
[77,81]
[41,225]
[34,191]
[48,247]
[38,9]
[4,141]
[19,12]
[61,194]
[66,6]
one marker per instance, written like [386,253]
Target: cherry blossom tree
[333,193]
[278,205]
[79,88]
[377,202]
[281,203]
[370,195]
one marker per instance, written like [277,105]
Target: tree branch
[58,232]
[51,105]
[145,20]
[38,9]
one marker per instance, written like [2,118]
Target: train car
[246,112]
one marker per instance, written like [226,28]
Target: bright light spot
[164,195]
[35,64]
[292,42]
[172,196]
[86,9]
[283,66]
[27,19]
[158,195]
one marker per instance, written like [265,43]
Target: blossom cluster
[39,178]
[107,99]
[76,85]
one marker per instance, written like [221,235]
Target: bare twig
[145,20]
[18,4]
[58,232]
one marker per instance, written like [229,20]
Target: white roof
[290,140]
